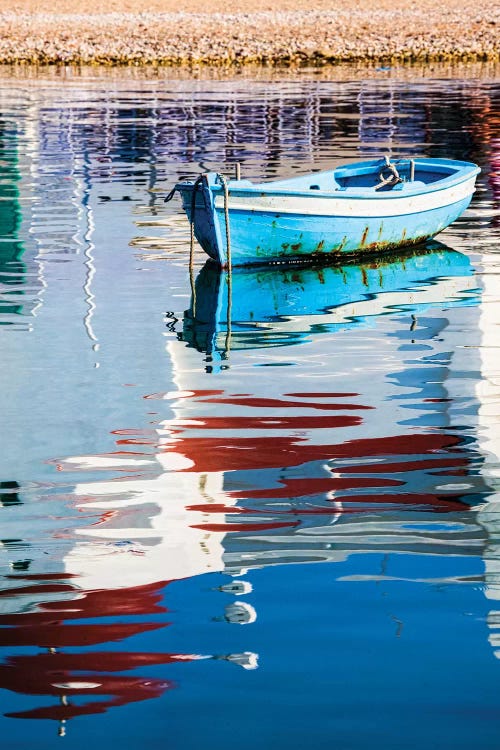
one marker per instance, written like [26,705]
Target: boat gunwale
[464,172]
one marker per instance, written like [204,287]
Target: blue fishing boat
[362,208]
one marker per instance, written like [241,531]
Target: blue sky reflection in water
[265,520]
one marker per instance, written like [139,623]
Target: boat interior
[380,176]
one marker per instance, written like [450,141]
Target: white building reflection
[488,436]
[234,481]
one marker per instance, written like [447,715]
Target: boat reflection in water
[316,458]
[345,449]
[268,306]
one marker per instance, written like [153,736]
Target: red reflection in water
[336,394]
[277,403]
[68,675]
[253,423]
[75,674]
[235,453]
[62,635]
[315,486]
[420,464]
[138,600]
[92,677]
[68,685]
[224,527]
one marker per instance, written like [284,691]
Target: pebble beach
[164,32]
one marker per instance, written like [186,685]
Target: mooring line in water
[227,344]
[193,290]
[223,181]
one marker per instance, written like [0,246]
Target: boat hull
[262,238]
[267,227]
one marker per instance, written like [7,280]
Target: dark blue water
[265,518]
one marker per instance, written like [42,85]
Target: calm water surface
[264,519]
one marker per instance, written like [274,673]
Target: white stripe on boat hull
[348,206]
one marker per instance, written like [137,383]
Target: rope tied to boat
[388,175]
[225,188]
[170,195]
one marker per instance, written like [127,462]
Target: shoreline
[144,74]
[405,33]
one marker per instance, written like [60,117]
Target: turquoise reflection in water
[12,268]
[281,306]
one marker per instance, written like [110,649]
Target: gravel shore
[160,33]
